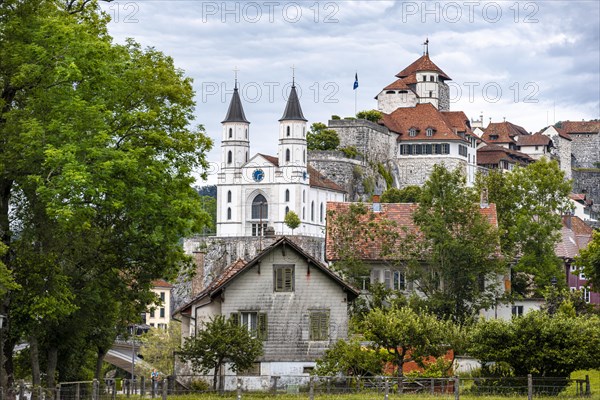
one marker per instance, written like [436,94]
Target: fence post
[127,383]
[114,389]
[456,388]
[400,385]
[432,383]
[311,388]
[21,391]
[274,387]
[328,384]
[529,387]
[588,392]
[95,391]
[239,388]
[143,385]
[57,395]
[386,386]
[164,390]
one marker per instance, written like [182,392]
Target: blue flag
[355,81]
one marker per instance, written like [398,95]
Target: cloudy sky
[531,62]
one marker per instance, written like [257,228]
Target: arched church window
[288,131]
[260,208]
[229,157]
[287,194]
[246,156]
[304,156]
[246,133]
[304,131]
[303,212]
[230,132]
[228,213]
[312,211]
[287,210]
[287,154]
[229,196]
[304,196]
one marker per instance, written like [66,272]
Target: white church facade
[254,194]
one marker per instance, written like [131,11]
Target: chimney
[568,220]
[198,279]
[376,200]
[483,201]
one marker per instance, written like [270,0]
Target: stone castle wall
[444,100]
[562,151]
[374,142]
[586,149]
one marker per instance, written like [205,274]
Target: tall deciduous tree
[96,170]
[460,248]
[160,345]
[530,202]
[292,220]
[218,341]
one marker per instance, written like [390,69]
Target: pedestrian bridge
[124,354]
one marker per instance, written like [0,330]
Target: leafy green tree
[530,202]
[96,164]
[292,221]
[406,334]
[221,340]
[539,344]
[460,248]
[321,138]
[589,260]
[369,115]
[159,347]
[408,194]
[350,358]
[209,205]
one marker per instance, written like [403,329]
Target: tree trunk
[217,368]
[9,345]
[51,368]
[101,353]
[34,353]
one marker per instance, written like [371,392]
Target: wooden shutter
[289,280]
[263,328]
[235,318]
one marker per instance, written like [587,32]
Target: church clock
[258,175]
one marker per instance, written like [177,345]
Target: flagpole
[355,96]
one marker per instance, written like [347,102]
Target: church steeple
[235,144]
[292,135]
[235,113]
[293,111]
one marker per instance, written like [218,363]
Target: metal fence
[306,387]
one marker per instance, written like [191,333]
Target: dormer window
[390,92]
[432,78]
[412,132]
[424,78]
[429,131]
[493,137]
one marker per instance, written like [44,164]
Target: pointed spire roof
[293,111]
[423,63]
[236,111]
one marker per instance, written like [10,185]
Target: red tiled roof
[572,127]
[575,235]
[398,84]
[505,131]
[423,116]
[562,133]
[577,196]
[318,180]
[315,177]
[492,154]
[533,140]
[423,63]
[159,283]
[399,213]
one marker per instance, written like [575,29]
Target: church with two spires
[254,193]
